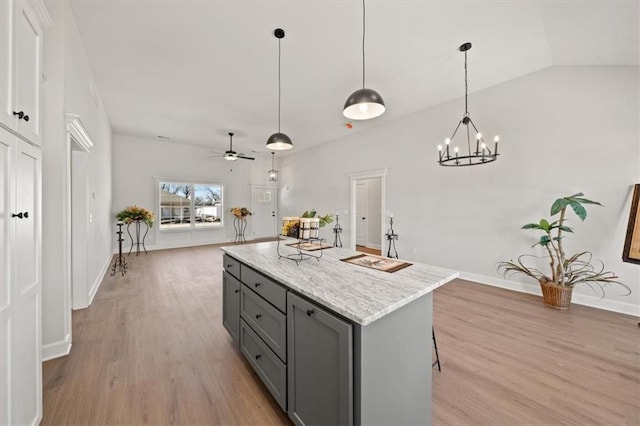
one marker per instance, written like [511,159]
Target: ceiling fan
[230,154]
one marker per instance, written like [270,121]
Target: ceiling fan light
[230,156]
[279,142]
[364,104]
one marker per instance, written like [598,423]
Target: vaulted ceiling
[195,70]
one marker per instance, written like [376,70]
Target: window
[190,205]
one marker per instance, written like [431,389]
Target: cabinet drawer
[271,370]
[268,322]
[231,265]
[271,291]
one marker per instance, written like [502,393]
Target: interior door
[264,208]
[361,213]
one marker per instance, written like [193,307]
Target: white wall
[137,162]
[563,130]
[67,89]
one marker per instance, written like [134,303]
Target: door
[20,294]
[361,213]
[264,207]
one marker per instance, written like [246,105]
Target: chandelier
[482,153]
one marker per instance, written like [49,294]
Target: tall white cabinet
[21,24]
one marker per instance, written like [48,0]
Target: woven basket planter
[556,296]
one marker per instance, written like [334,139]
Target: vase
[556,296]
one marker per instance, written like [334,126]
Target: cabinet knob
[229,265]
[310,312]
[236,291]
[258,316]
[21,115]
[258,357]
[256,285]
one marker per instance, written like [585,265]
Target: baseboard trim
[578,299]
[188,244]
[57,349]
[98,281]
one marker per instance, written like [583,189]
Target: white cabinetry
[21,23]
[20,282]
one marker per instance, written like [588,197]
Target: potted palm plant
[565,271]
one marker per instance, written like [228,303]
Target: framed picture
[632,241]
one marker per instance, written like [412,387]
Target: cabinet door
[231,305]
[21,64]
[28,60]
[20,295]
[320,365]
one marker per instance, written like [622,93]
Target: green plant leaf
[566,229]
[558,205]
[585,201]
[578,209]
[531,226]
[544,224]
[544,241]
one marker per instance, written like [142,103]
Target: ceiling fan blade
[244,157]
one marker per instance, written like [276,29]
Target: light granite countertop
[358,293]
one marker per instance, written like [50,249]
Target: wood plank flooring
[151,350]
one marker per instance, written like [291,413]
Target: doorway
[264,206]
[367,207]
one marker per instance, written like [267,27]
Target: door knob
[363,218]
[310,312]
[20,215]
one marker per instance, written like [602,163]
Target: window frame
[193,225]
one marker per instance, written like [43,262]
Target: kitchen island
[334,342]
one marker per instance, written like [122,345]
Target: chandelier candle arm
[482,153]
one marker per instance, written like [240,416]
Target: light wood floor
[151,350]
[369,250]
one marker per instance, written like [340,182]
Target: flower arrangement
[133,213]
[240,212]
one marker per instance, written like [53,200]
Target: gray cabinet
[320,365]
[231,305]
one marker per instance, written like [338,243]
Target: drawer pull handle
[236,291]
[258,357]
[256,285]
[258,316]
[310,312]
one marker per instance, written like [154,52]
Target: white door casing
[361,213]
[354,178]
[264,206]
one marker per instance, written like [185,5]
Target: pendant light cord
[279,84]
[466,87]
[363,33]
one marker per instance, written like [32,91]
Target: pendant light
[364,103]
[273,173]
[482,153]
[279,141]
